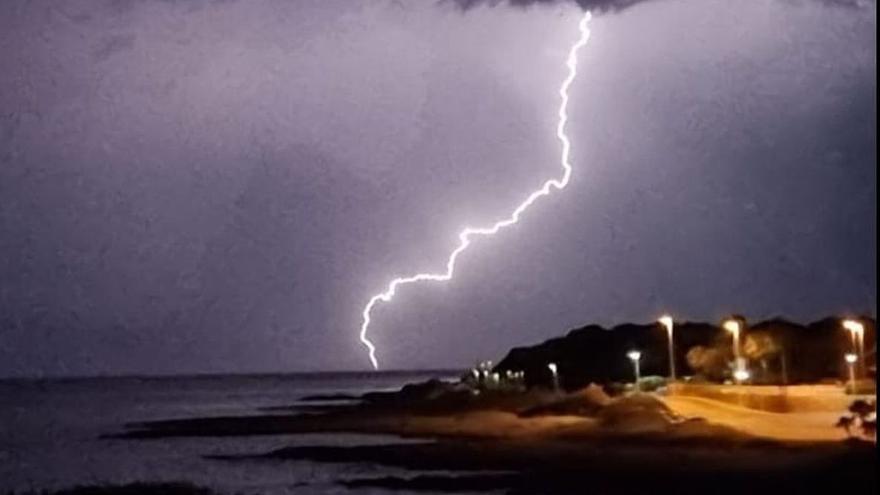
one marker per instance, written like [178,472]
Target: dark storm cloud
[603,6]
[207,186]
[113,44]
[591,5]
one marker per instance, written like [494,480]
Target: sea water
[50,432]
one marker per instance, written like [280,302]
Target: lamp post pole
[851,359]
[857,333]
[554,370]
[667,322]
[634,356]
[734,327]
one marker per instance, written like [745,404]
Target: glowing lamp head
[850,358]
[732,326]
[666,321]
[634,355]
[552,367]
[853,326]
[741,375]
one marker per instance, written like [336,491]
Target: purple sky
[216,186]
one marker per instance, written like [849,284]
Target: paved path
[781,426]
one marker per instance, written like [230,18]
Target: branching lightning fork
[465,236]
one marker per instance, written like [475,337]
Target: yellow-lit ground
[700,414]
[810,426]
[814,422]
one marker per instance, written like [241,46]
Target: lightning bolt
[464,238]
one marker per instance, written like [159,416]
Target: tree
[846,423]
[761,347]
[869,428]
[865,413]
[710,362]
[862,408]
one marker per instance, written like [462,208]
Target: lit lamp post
[634,356]
[734,327]
[741,375]
[857,332]
[554,370]
[666,321]
[850,363]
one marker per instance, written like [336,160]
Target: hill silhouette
[778,351]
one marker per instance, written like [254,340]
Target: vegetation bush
[863,415]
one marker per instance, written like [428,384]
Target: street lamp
[634,356]
[741,375]
[667,322]
[733,327]
[554,370]
[857,332]
[850,363]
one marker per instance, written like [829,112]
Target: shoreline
[517,440]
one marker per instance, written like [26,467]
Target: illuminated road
[808,426]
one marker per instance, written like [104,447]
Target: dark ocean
[50,432]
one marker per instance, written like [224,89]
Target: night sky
[219,186]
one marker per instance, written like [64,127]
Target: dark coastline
[528,439]
[688,457]
[466,435]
